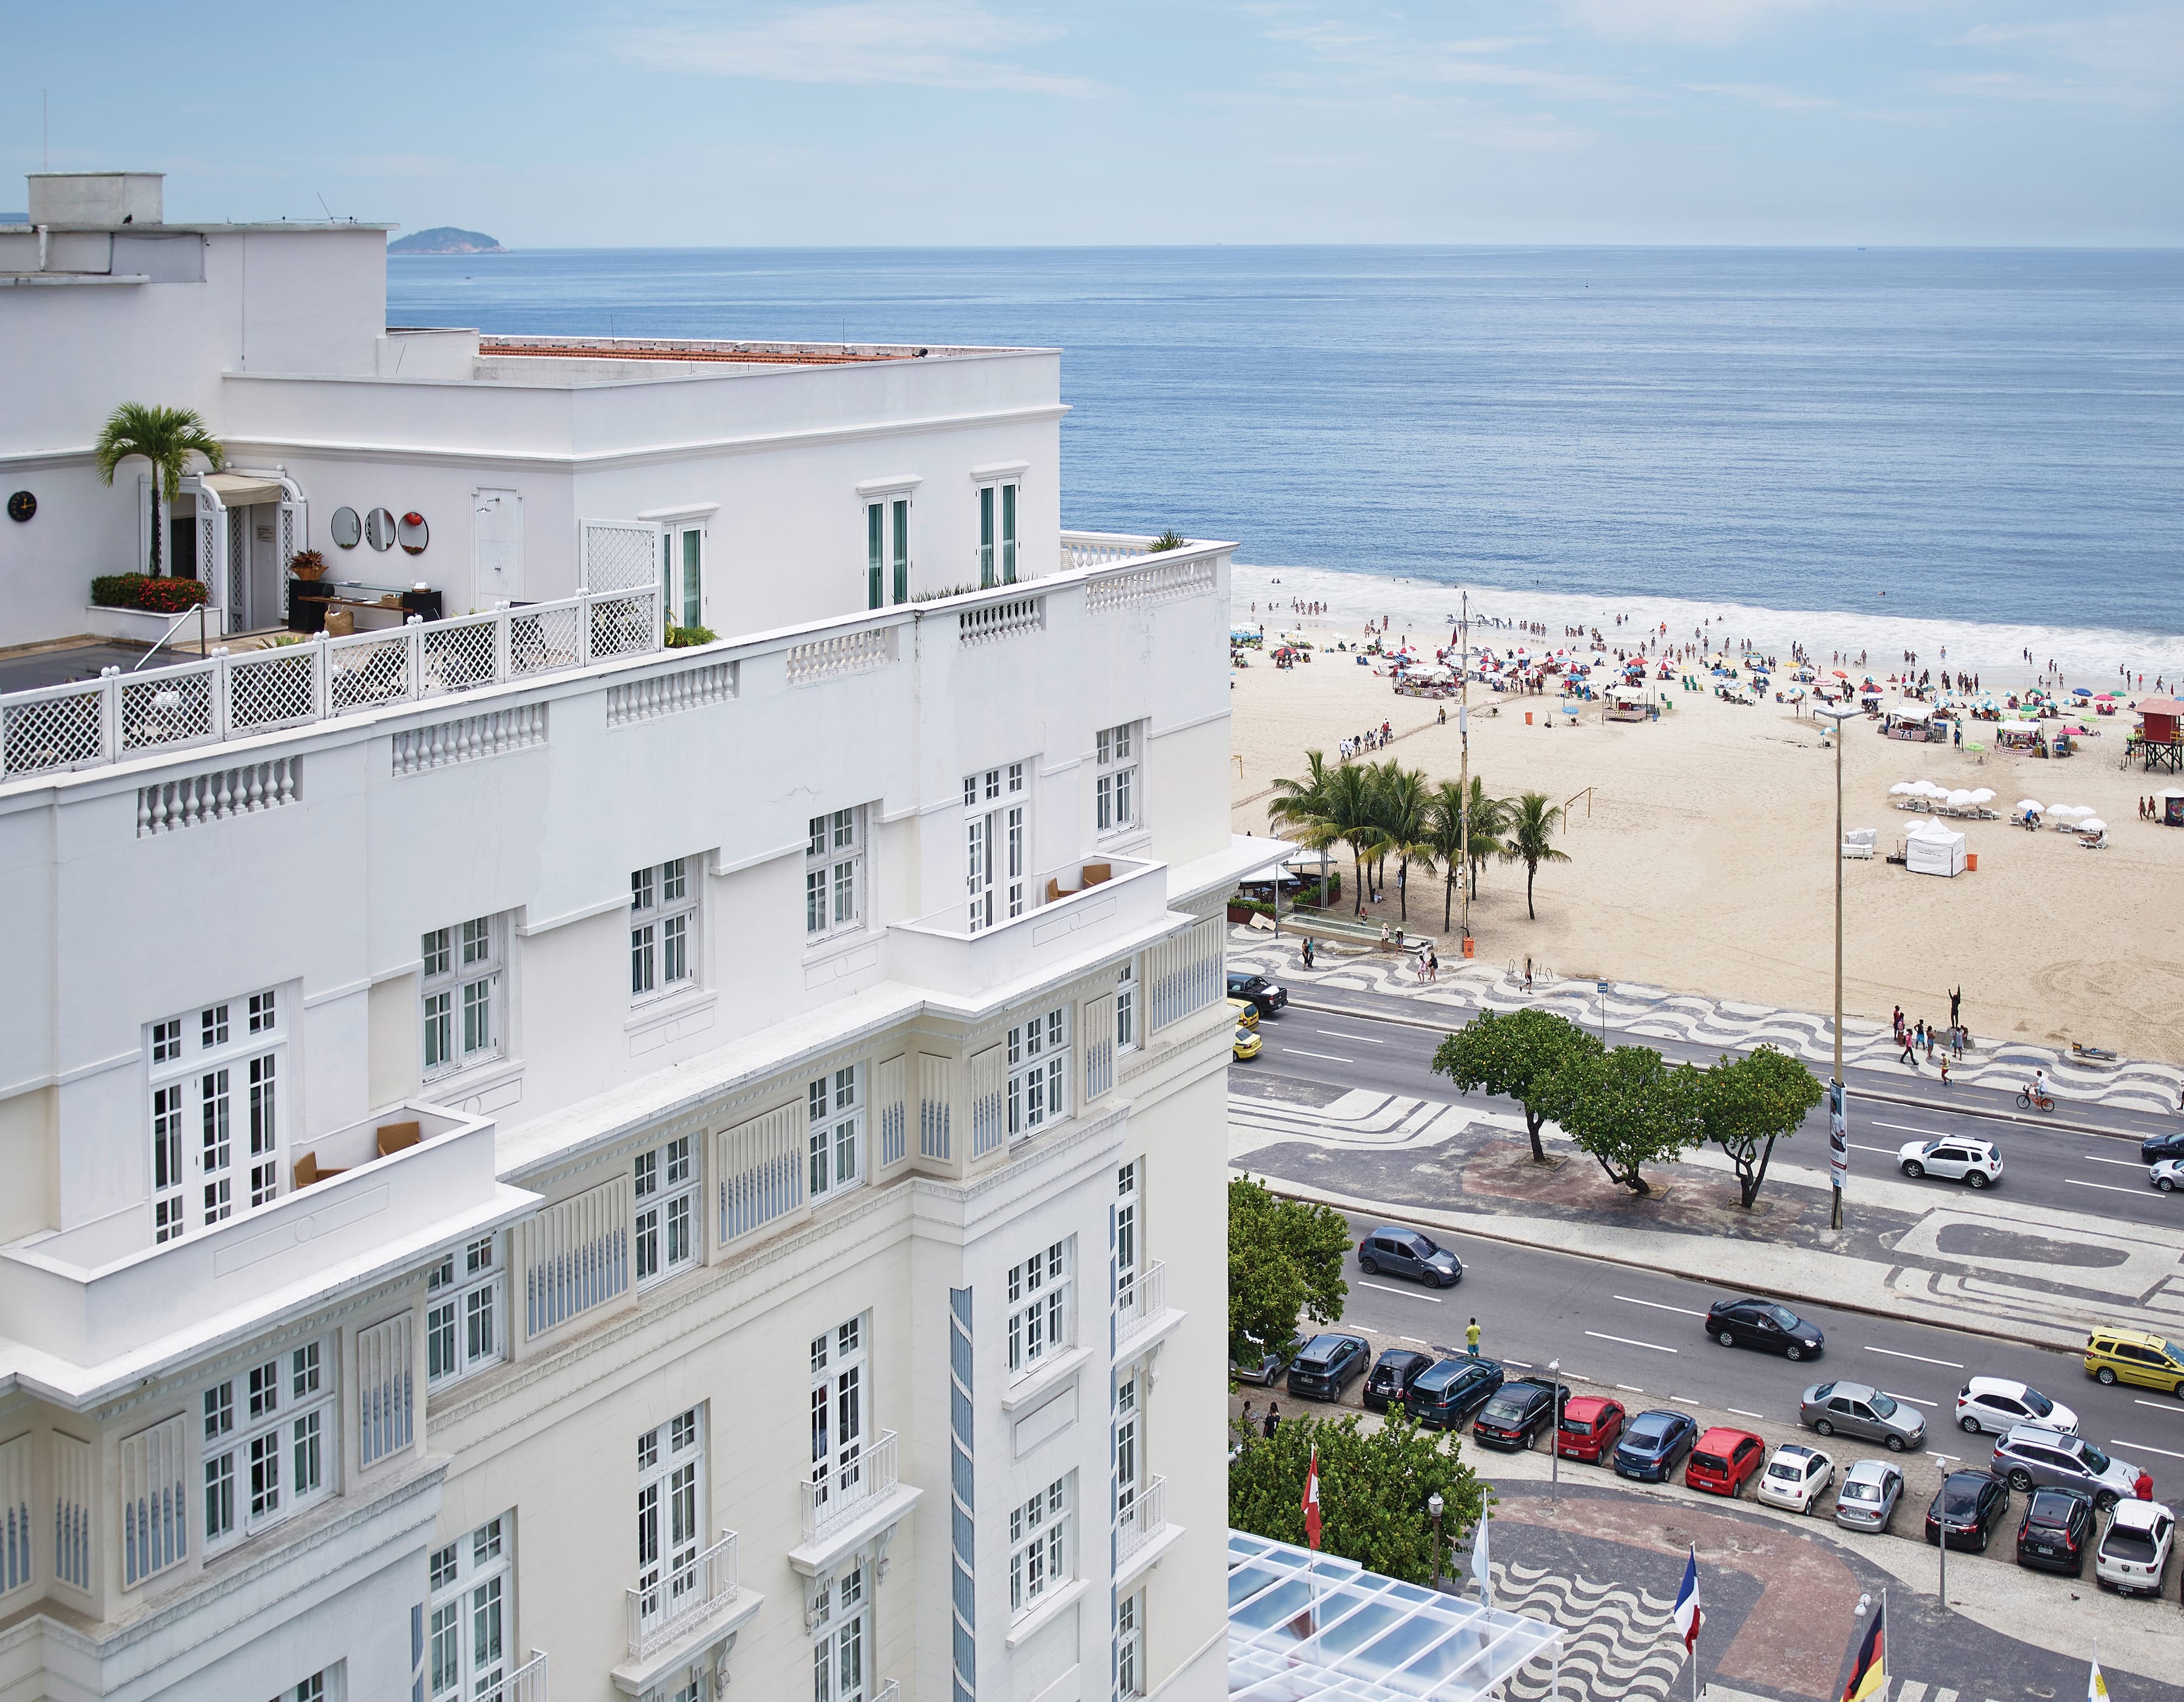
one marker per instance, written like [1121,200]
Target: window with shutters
[663,928]
[1039,1547]
[461,994]
[466,1313]
[1117,793]
[835,1112]
[1039,1307]
[834,875]
[997,534]
[155,1496]
[670,1507]
[997,845]
[1130,1647]
[664,1187]
[1125,1006]
[473,1598]
[838,1413]
[1038,1072]
[385,1376]
[759,1166]
[266,1442]
[886,551]
[1126,1235]
[218,1112]
[16,1493]
[72,1499]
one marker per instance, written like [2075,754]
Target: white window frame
[1038,1072]
[1039,1311]
[841,1408]
[834,1115]
[1000,520]
[1125,1006]
[470,1612]
[219,1108]
[663,1189]
[267,1446]
[323,1685]
[682,567]
[663,928]
[1129,1232]
[834,875]
[1129,1448]
[462,995]
[1040,1549]
[1130,1647]
[466,1312]
[997,839]
[887,559]
[841,1638]
[672,1506]
[1118,783]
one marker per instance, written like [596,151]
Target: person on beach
[1945,1072]
[1471,1337]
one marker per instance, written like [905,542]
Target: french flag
[1687,1616]
[1311,1501]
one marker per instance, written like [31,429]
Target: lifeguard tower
[2158,744]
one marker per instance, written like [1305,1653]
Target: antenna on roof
[328,210]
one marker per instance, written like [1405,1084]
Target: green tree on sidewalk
[1284,1258]
[1515,1054]
[1626,1109]
[1745,1104]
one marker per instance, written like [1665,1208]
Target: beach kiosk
[1930,848]
[1629,704]
[2172,806]
[1915,722]
[2158,744]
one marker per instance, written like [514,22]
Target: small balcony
[1143,1535]
[1073,908]
[849,1504]
[527,1683]
[656,1614]
[1143,1318]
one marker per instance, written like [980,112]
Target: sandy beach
[1703,857]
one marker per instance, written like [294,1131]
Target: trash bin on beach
[1971,862]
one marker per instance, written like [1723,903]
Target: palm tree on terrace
[166,437]
[1528,839]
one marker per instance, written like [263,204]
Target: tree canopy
[1284,1257]
[1515,1053]
[1628,1109]
[166,437]
[1528,833]
[1745,1104]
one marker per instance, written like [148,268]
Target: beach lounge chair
[1858,842]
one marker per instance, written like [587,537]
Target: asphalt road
[2098,1175]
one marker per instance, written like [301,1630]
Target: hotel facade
[545,1163]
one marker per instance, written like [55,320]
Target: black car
[1392,1376]
[2056,1531]
[1971,1504]
[1323,1367]
[1519,1413]
[2155,1148]
[1750,1323]
[1262,993]
[1652,1442]
[1406,1253]
[1444,1394]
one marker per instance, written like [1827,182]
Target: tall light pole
[1555,1440]
[1463,757]
[1436,1506]
[1838,1096]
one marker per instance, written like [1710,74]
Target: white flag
[1481,1569]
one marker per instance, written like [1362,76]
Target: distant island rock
[446,239]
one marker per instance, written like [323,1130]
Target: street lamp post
[1838,1107]
[1436,1506]
[1555,1440]
[1941,1519]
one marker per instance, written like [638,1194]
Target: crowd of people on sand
[1922,1036]
[1372,738]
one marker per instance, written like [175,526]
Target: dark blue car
[1652,1445]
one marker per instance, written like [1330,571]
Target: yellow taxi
[2135,1356]
[1244,1012]
[1244,1044]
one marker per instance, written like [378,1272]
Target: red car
[1723,1459]
[1590,1427]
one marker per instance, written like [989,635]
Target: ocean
[1885,448]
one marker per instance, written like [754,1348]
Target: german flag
[1868,1673]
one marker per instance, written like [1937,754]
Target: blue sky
[651,122]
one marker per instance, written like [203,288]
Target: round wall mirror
[412,534]
[349,530]
[379,529]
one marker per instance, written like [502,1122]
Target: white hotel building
[544,1166]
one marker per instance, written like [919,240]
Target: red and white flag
[1312,1500]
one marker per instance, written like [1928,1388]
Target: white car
[1796,1478]
[1974,1163]
[1998,1404]
[2166,1174]
[2134,1552]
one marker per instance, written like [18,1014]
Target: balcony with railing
[674,1617]
[1141,1306]
[527,1683]
[1143,1535]
[845,1503]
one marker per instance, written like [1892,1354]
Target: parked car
[1244,1013]
[2166,1174]
[1860,1409]
[2031,1458]
[2158,1147]
[1326,1366]
[1392,1376]
[1518,1413]
[1406,1253]
[2056,1531]
[2000,1404]
[2135,1356]
[1652,1445]
[1263,994]
[1449,1392]
[1590,1428]
[1244,1044]
[1974,1163]
[1265,1365]
[1968,1506]
[2134,1551]
[1796,1478]
[1723,1459]
[1750,1323]
[1870,1490]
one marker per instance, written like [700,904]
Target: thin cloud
[1681,20]
[1771,95]
[2136,58]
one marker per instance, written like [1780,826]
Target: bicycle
[2026,1101]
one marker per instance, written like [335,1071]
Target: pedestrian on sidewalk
[1930,1042]
[1957,1040]
[1307,951]
[1896,1022]
[1248,1419]
[1273,1420]
[1471,1337]
[1945,1071]
[1909,1056]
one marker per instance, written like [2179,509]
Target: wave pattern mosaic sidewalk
[1654,1013]
[1618,1641]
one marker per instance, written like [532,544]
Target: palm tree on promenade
[1528,839]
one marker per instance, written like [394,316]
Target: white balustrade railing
[1143,1297]
[838,653]
[1102,549]
[656,1614]
[1144,1519]
[527,1683]
[836,1493]
[1163,582]
[232,695]
[990,620]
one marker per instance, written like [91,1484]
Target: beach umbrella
[1983,794]
[1961,799]
[2092,824]
[1903,788]
[2028,806]
[2081,690]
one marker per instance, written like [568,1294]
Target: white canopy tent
[1930,848]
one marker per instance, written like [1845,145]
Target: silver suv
[2031,1458]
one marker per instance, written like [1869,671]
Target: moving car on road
[1974,1163]
[2056,1531]
[1449,1392]
[1750,1323]
[1518,1413]
[1796,1478]
[2135,1356]
[2000,1404]
[1390,1378]
[2031,1458]
[1325,1366]
[1723,1459]
[1968,1506]
[1862,1411]
[1652,1444]
[2156,1146]
[1406,1253]
[2166,1174]
[1244,1044]
[1866,1500]
[1244,1013]
[1261,992]
[1591,1426]
[2134,1553]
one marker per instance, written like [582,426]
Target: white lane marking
[1930,1134]
[2127,1164]
[1921,1357]
[1912,1399]
[1407,1293]
[2158,1405]
[1414,1341]
[1519,1365]
[1337,1034]
[1659,1307]
[2143,1448]
[1741,1413]
[1891,1151]
[2104,1186]
[1628,1343]
[1328,1057]
[1630,1388]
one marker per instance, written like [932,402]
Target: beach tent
[1930,848]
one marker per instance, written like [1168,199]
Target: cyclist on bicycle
[2038,1090]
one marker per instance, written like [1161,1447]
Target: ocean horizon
[1953,438]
